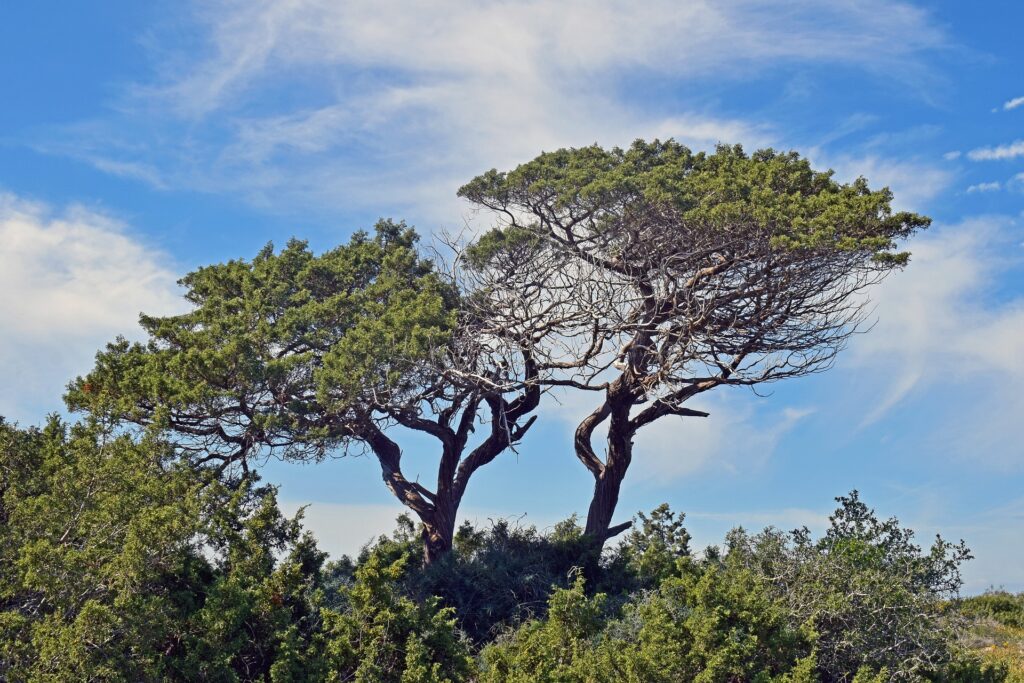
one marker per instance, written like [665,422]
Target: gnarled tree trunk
[438,532]
[608,475]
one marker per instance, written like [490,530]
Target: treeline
[122,564]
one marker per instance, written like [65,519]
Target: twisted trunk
[437,510]
[608,475]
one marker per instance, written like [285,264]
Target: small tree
[651,275]
[299,356]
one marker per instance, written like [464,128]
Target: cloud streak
[999,153]
[1013,104]
[984,187]
[942,329]
[393,104]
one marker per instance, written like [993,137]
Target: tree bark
[608,478]
[438,532]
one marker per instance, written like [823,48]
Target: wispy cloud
[941,328]
[914,182]
[72,280]
[1011,151]
[395,103]
[984,187]
[1013,104]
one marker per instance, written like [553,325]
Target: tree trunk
[438,532]
[602,505]
[608,482]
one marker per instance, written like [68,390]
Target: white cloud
[734,438]
[941,328]
[1013,104]
[914,182]
[984,187]
[951,156]
[71,282]
[396,103]
[344,528]
[533,44]
[1001,152]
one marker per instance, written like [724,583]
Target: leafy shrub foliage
[1000,606]
[121,565]
[873,598]
[713,625]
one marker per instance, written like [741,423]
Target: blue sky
[140,140]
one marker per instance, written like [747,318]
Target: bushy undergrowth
[119,565]
[996,631]
[1000,606]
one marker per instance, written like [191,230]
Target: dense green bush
[999,605]
[871,595]
[712,625]
[120,566]
[861,603]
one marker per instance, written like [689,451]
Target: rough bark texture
[439,532]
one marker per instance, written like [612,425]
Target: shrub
[998,605]
[702,626]
[875,600]
[119,565]
[383,636]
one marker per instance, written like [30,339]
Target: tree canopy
[647,276]
[652,274]
[299,356]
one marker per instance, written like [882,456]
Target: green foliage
[778,192]
[718,625]
[875,600]
[503,575]
[972,669]
[653,547]
[97,553]
[1001,606]
[863,603]
[283,352]
[495,577]
[383,636]
[120,565]
[556,649]
[994,635]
